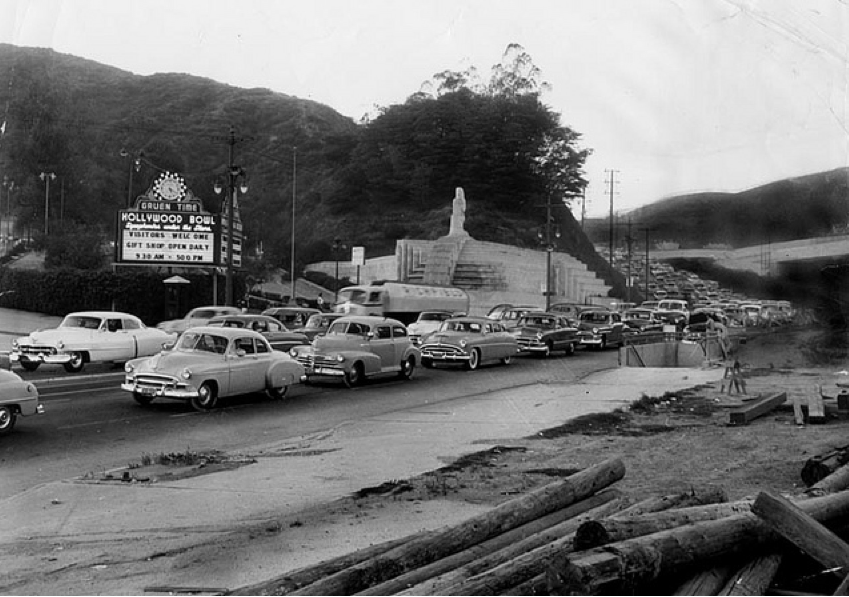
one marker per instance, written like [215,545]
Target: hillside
[357,182]
[790,209]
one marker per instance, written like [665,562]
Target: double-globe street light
[46,177]
[233,174]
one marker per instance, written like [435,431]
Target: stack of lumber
[580,536]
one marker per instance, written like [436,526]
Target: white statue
[458,214]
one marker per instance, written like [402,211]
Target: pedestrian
[320,301]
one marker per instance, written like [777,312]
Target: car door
[148,341]
[494,342]
[400,341]
[247,373]
[382,345]
[112,342]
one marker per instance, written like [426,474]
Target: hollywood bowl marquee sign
[169,226]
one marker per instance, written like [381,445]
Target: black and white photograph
[435,297]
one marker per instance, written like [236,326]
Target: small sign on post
[358,256]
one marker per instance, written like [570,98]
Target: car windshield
[201,314]
[228,323]
[196,341]
[638,315]
[595,317]
[460,326]
[433,316]
[346,327]
[541,322]
[81,321]
[318,321]
[353,296]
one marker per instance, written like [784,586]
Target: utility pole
[294,196]
[611,181]
[648,270]
[583,205]
[629,240]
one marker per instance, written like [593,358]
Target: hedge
[139,291]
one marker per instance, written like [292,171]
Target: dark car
[272,330]
[601,328]
[544,333]
[640,320]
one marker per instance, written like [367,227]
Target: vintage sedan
[292,317]
[318,324]
[510,317]
[601,328]
[195,317]
[642,321]
[426,323]
[17,398]
[359,346]
[275,332]
[209,363]
[89,337]
[471,341]
[544,333]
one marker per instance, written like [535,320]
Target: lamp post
[8,185]
[337,248]
[46,177]
[546,238]
[294,196]
[233,173]
[135,164]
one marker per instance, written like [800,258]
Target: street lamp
[233,175]
[46,177]
[8,185]
[134,165]
[546,238]
[337,248]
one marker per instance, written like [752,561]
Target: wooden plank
[798,415]
[803,531]
[745,414]
[816,409]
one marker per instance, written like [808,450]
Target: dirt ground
[669,444]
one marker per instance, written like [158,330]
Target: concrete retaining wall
[670,354]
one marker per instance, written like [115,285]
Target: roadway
[91,426]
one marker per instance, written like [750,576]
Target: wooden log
[448,582]
[433,545]
[694,497]
[291,581]
[705,582]
[535,586]
[754,578]
[526,560]
[647,558]
[539,530]
[836,481]
[843,587]
[595,533]
[818,467]
[805,532]
[757,408]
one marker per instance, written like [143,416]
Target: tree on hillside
[498,141]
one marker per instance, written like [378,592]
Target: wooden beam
[745,414]
[816,409]
[754,578]
[803,531]
[433,545]
[706,582]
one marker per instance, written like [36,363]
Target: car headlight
[340,358]
[293,352]
[186,374]
[129,367]
[539,335]
[463,343]
[595,330]
[15,344]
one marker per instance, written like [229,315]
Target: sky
[671,96]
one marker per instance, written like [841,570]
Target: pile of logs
[580,536]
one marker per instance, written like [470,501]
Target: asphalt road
[91,426]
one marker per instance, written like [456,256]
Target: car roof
[369,319]
[291,310]
[243,317]
[227,332]
[102,314]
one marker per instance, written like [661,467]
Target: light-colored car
[196,317]
[89,337]
[544,333]
[469,340]
[601,328]
[17,398]
[510,317]
[209,363]
[318,324]
[427,322]
[359,346]
[272,330]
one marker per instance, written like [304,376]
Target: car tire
[570,349]
[7,419]
[206,399]
[474,360]
[142,399]
[277,393]
[507,360]
[30,365]
[548,350]
[76,364]
[353,377]
[603,344]
[427,363]
[408,367]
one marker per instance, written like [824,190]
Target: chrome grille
[152,380]
[438,350]
[44,350]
